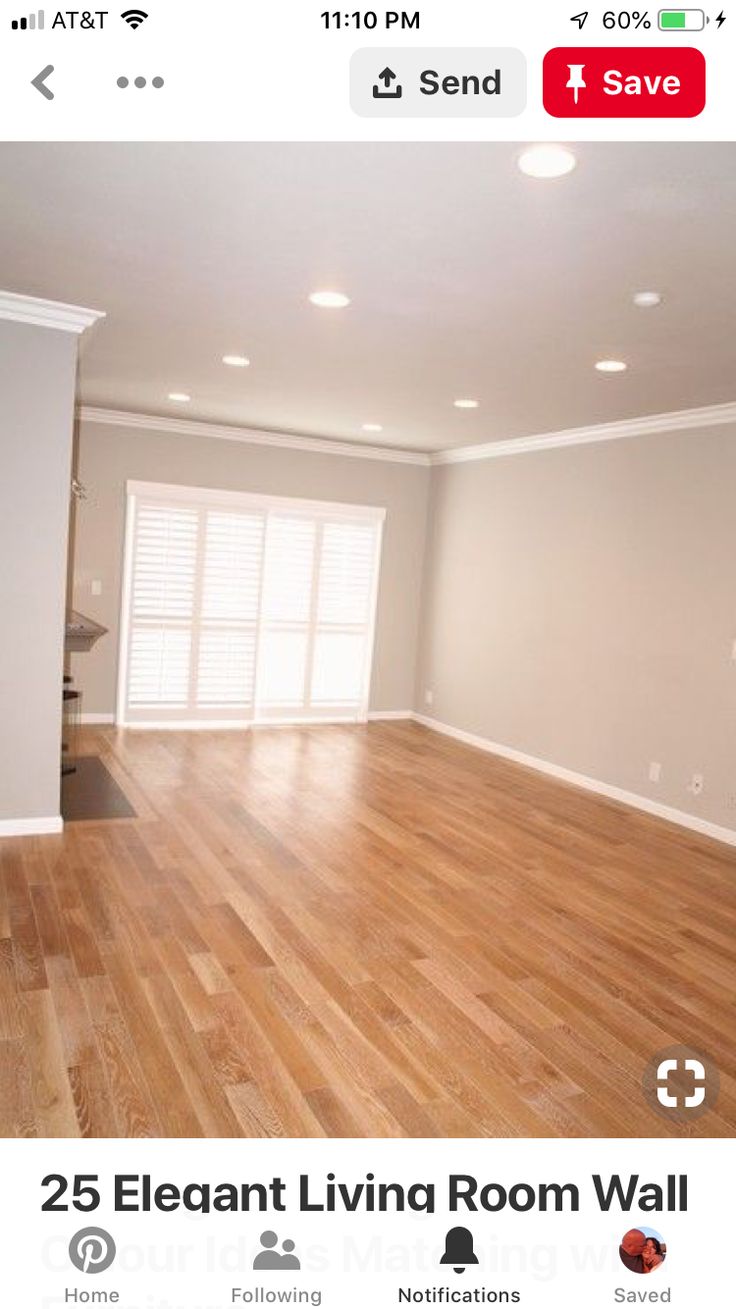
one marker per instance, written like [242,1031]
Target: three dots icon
[140,82]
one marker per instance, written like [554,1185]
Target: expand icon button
[624,82]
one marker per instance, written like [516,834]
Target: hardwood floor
[356,931]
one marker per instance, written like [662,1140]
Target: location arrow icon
[40,80]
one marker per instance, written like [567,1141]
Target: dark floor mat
[92,792]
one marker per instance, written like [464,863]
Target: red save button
[624,82]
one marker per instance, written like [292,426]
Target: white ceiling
[466,279]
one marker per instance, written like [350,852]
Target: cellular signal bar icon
[33,23]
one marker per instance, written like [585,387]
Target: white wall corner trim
[47,313]
[31,826]
[681,420]
[630,798]
[250,436]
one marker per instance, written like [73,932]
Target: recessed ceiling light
[466,404]
[547,161]
[180,396]
[647,299]
[236,361]
[329,299]
[611,366]
[372,427]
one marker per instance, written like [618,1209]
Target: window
[241,608]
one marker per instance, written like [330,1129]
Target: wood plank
[50,1089]
[358,930]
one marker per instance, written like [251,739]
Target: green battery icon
[681,20]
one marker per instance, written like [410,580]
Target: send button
[455,83]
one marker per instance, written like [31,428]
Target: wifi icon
[134,17]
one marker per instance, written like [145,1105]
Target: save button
[624,82]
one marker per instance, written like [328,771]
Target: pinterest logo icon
[92,1250]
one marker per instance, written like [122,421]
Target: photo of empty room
[368,672]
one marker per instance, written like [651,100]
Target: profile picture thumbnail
[642,1250]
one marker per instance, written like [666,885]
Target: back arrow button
[40,79]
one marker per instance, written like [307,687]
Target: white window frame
[324,510]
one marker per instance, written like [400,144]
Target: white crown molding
[47,313]
[693,822]
[249,436]
[681,420]
[31,826]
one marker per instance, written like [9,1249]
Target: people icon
[269,1257]
[289,1259]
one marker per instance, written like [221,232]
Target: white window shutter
[347,565]
[162,605]
[231,581]
[247,609]
[346,574]
[288,581]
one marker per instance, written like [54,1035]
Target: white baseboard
[90,719]
[201,725]
[31,826]
[630,798]
[235,724]
[389,715]
[265,724]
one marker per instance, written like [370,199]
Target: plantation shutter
[233,552]
[344,599]
[246,608]
[287,606]
[162,607]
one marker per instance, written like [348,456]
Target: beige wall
[109,456]
[37,377]
[580,606]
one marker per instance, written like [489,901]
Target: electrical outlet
[696,784]
[429,698]
[96,587]
[655,771]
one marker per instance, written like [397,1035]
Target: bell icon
[459,1250]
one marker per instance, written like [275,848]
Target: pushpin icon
[577,82]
